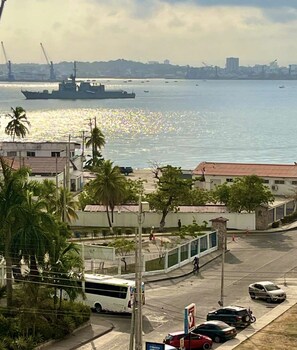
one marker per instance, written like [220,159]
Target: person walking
[196,266]
[179,224]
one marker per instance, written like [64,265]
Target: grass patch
[279,335]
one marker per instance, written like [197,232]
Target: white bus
[108,293]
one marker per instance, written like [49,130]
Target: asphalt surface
[85,337]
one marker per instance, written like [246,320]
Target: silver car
[266,290]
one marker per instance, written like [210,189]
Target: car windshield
[271,287]
[168,337]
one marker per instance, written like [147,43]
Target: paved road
[251,258]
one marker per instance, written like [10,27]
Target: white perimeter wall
[239,221]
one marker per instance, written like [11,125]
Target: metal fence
[161,260]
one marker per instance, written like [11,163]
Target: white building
[232,64]
[280,178]
[56,161]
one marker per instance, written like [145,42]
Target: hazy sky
[183,31]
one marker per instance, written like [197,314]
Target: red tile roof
[243,169]
[40,165]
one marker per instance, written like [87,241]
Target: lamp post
[138,283]
[221,302]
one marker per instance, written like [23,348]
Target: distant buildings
[153,69]
[232,64]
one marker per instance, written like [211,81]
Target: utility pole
[138,306]
[221,303]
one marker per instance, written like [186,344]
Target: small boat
[145,91]
[282,86]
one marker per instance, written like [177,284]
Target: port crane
[10,75]
[207,65]
[2,7]
[50,64]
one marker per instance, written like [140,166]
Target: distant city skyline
[182,31]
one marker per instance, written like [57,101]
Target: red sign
[190,318]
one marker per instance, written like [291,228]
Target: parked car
[126,170]
[169,347]
[198,341]
[218,331]
[266,290]
[236,316]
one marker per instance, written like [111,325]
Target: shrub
[289,218]
[275,224]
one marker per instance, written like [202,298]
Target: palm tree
[64,268]
[17,125]
[66,206]
[11,197]
[33,233]
[46,190]
[109,187]
[96,141]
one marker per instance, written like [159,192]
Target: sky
[182,31]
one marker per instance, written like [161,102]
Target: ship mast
[73,76]
[2,7]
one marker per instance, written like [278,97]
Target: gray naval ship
[73,90]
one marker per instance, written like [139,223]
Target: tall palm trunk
[9,276]
[109,220]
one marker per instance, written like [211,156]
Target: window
[30,154]
[56,154]
[229,180]
[294,182]
[279,182]
[108,290]
[265,181]
[11,154]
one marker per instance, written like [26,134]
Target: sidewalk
[81,336]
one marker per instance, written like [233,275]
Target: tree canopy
[172,189]
[245,194]
[17,125]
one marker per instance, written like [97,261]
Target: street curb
[266,232]
[106,331]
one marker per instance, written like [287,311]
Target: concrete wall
[239,221]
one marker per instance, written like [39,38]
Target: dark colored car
[126,170]
[266,290]
[236,316]
[218,331]
[198,341]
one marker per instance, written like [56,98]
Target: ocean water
[177,122]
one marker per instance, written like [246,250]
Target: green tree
[96,141]
[66,206]
[123,247]
[12,194]
[171,191]
[246,194]
[63,268]
[17,125]
[197,196]
[33,233]
[109,188]
[47,191]
[221,193]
